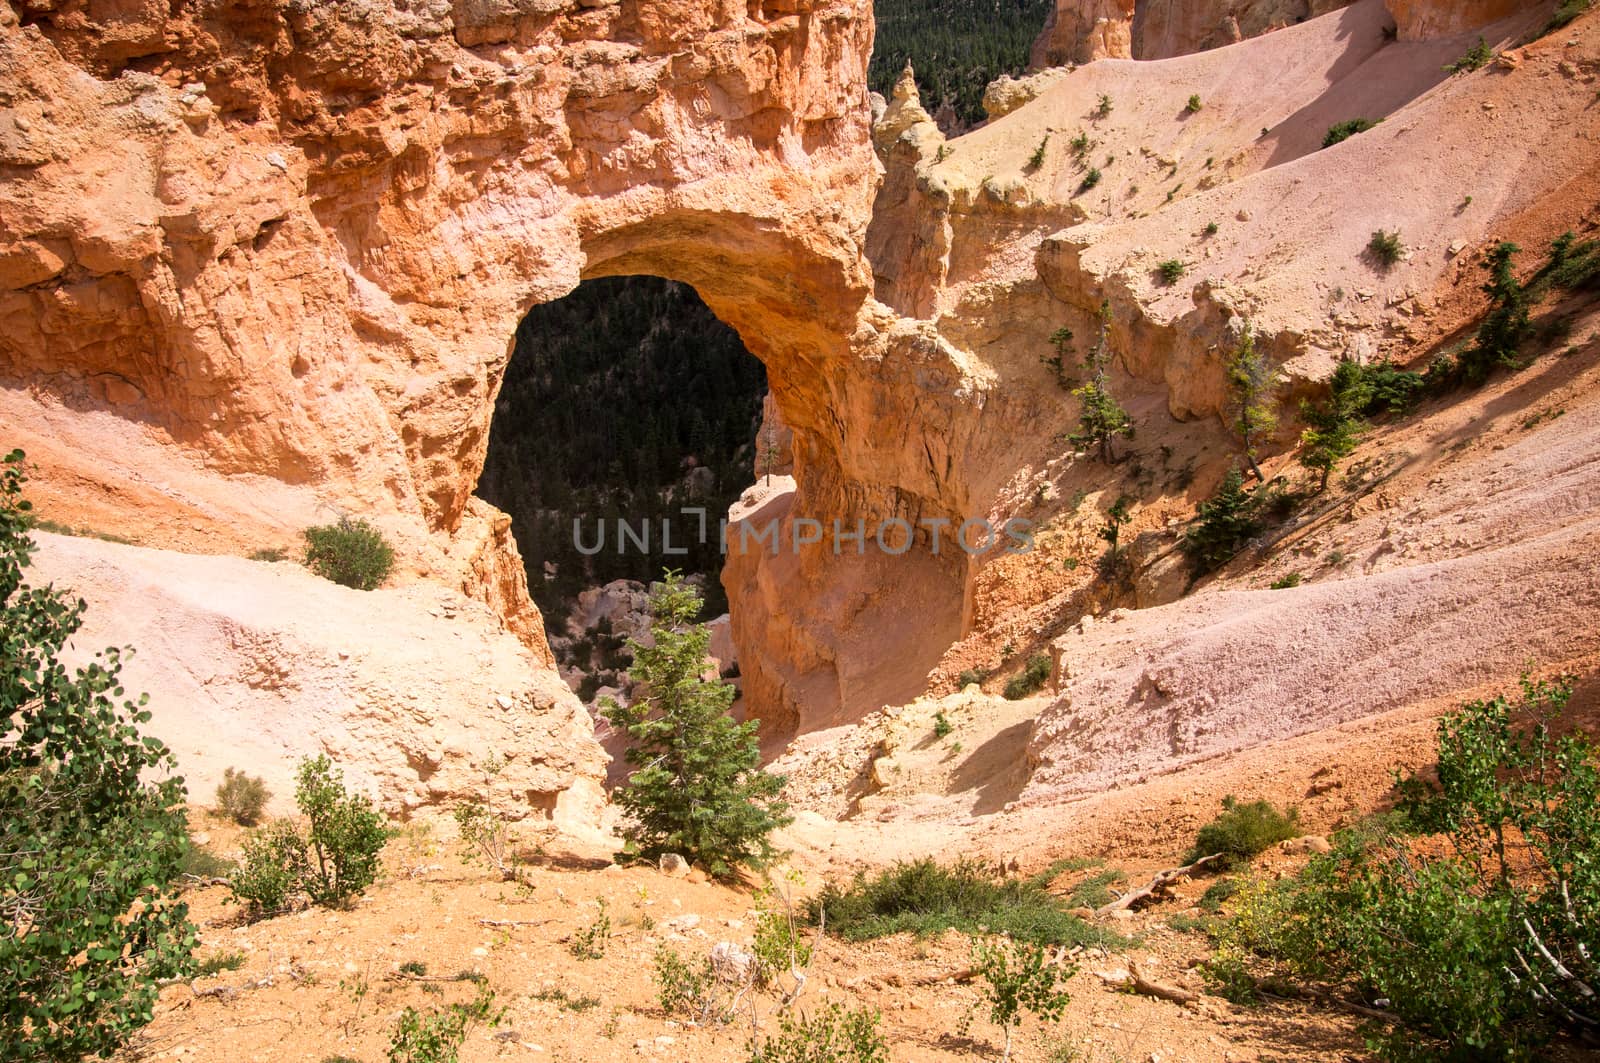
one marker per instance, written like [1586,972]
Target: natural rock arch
[276,257]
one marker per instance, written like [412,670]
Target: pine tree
[1335,426]
[1223,523]
[1506,325]
[698,789]
[1102,418]
[88,846]
[1252,402]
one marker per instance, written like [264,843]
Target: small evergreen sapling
[1102,419]
[1251,398]
[697,788]
[1334,426]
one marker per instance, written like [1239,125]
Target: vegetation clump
[1030,680]
[1476,58]
[1090,179]
[1194,105]
[1472,913]
[1507,323]
[1171,271]
[925,897]
[1386,247]
[1252,399]
[351,552]
[1036,160]
[436,1036]
[332,861]
[242,797]
[697,788]
[1223,524]
[1334,426]
[1018,978]
[1342,131]
[1242,831]
[829,1035]
[89,849]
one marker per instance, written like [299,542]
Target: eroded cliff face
[261,265]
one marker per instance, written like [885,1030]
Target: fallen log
[1158,884]
[1134,981]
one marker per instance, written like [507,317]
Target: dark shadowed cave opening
[627,399]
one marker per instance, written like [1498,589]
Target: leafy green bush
[217,962]
[1171,271]
[1477,58]
[1090,179]
[436,1036]
[589,943]
[1223,524]
[274,864]
[1573,264]
[1386,247]
[1103,108]
[698,788]
[925,897]
[1481,939]
[346,835]
[1018,978]
[352,553]
[1505,325]
[1030,680]
[1342,131]
[1194,104]
[241,797]
[692,991]
[832,1035]
[1287,582]
[89,850]
[336,858]
[1243,831]
[942,725]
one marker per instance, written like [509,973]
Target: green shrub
[1334,427]
[1103,108]
[924,897]
[217,962]
[89,850]
[832,1035]
[1573,265]
[589,943]
[1391,389]
[973,676]
[1211,228]
[1243,831]
[1477,58]
[1342,131]
[942,725]
[1505,325]
[1194,104]
[1218,892]
[1030,680]
[200,862]
[352,553]
[241,797]
[1566,13]
[1090,179]
[698,788]
[1036,160]
[1386,247]
[1018,978]
[578,1004]
[1081,145]
[274,864]
[436,1036]
[692,991]
[1171,271]
[1286,582]
[336,858]
[345,836]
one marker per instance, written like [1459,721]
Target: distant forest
[956,46]
[615,394]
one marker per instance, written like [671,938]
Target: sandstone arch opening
[628,421]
